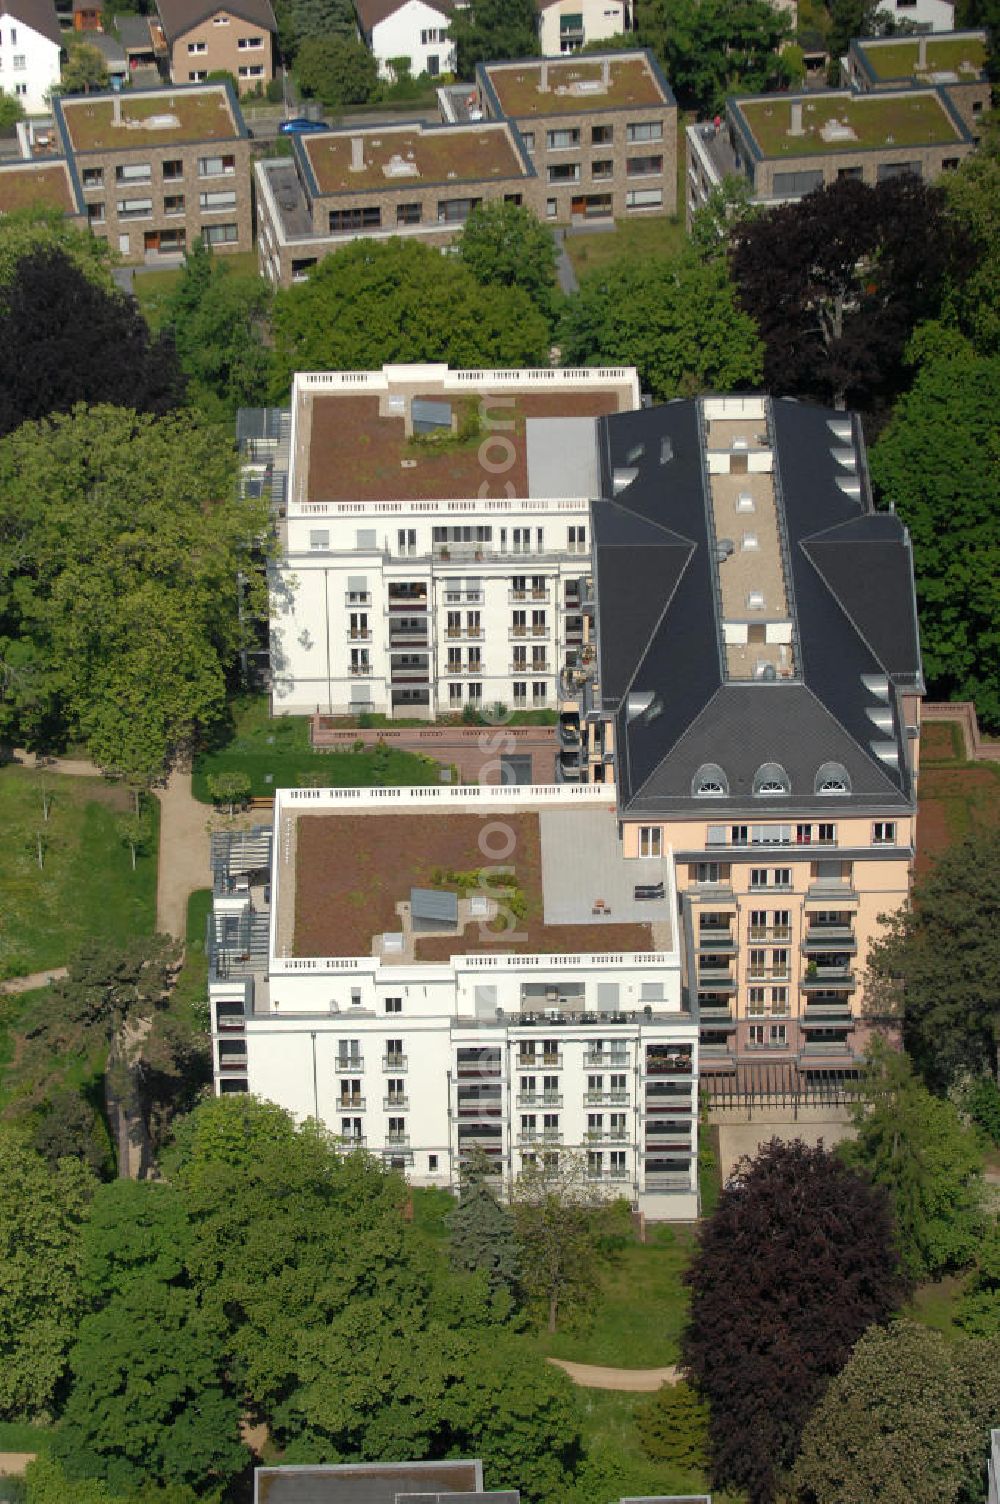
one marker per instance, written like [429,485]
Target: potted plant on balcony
[811,970]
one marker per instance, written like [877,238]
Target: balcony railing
[527,595]
[359,634]
[360,670]
[353,1140]
[394,1062]
[233,1063]
[606,1135]
[539,1099]
[351,1104]
[539,1136]
[612,1059]
[838,978]
[770,932]
[672,1181]
[521,633]
[605,1098]
[536,1062]
[397,1104]
[397,1140]
[716,939]
[350,1063]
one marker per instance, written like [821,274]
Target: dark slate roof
[40,15]
[372,12]
[179,16]
[659,639]
[133,33]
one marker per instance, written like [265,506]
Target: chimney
[357,154]
[795,128]
[544,80]
[606,72]
[922,52]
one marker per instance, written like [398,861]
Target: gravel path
[633,1380]
[36,979]
[184,852]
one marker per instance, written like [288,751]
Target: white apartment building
[417,29]
[568,25]
[362,977]
[29,52]
[435,539]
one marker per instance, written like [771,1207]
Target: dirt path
[184,852]
[633,1380]
[13,1464]
[36,979]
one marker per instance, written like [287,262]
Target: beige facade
[188,176]
[226,41]
[567,25]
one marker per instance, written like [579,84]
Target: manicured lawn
[642,1307]
[18,1436]
[275,753]
[609,1431]
[592,250]
[85,889]
[192,981]
[151,289]
[709,1169]
[935,1304]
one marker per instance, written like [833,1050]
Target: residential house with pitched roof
[416,29]
[202,38]
[29,51]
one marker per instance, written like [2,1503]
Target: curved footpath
[633,1380]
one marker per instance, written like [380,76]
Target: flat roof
[395,156]
[961,53]
[842,122]
[363,1483]
[159,117]
[357,448]
[354,872]
[29,184]
[575,87]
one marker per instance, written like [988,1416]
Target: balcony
[410,637]
[537,666]
[668,1107]
[353,1140]
[606,1136]
[360,670]
[712,981]
[605,1098]
[539,1136]
[768,974]
[828,1015]
[409,674]
[675,1180]
[829,937]
[717,938]
[398,1104]
[351,1104]
[394,1061]
[831,891]
[350,1064]
[230,1023]
[667,1063]
[538,596]
[397,1140]
[407,602]
[359,634]
[522,634]
[770,932]
[233,1062]
[539,1099]
[453,632]
[832,978]
[611,1059]
[539,1062]
[828,1047]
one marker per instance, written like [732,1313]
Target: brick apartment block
[954,62]
[573,140]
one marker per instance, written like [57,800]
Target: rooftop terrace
[843,121]
[890,58]
[27,186]
[388,157]
[135,122]
[563,889]
[571,88]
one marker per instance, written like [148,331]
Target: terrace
[383,157]
[571,88]
[920,58]
[139,121]
[28,186]
[842,122]
[398,874]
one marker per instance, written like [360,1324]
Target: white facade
[418,31]
[927,15]
[566,25]
[523,1055]
[418,607]
[29,63]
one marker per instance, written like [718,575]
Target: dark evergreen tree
[797,1260]
[482,1236]
[64,339]
[491,30]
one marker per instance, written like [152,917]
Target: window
[602,169]
[650,840]
[826,835]
[454,660]
[551,208]
[528,137]
[408,214]
[216,167]
[770,877]
[564,172]
[198,76]
[252,70]
[432,35]
[602,135]
[889,170]
[93,177]
[710,782]
[539,695]
[173,203]
[213,202]
[13,36]
[755,1000]
[451,211]
[576,539]
[848,174]
[475,690]
[134,172]
[708,872]
[832,778]
[455,693]
[394,1005]
[432,1163]
[173,169]
[20,61]
[949,164]
[135,208]
[246,43]
[644,198]
[616,1162]
[884,833]
[644,130]
[520,693]
[769,780]
[562,140]
[796,184]
[368,218]
[638,167]
[20,91]
[95,214]
[220,20]
[220,234]
[197,46]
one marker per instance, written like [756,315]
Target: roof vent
[877,685]
[643,703]
[666,450]
[635,454]
[841,428]
[744,502]
[886,752]
[849,484]
[755,600]
[622,477]
[749,541]
[723,548]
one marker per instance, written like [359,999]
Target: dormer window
[770,780]
[833,778]
[710,782]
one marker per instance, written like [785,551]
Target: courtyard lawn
[275,753]
[936,1303]
[192,979]
[85,888]
[152,288]
[593,250]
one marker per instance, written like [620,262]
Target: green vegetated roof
[872,121]
[175,115]
[899,57]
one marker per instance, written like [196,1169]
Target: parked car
[300,126]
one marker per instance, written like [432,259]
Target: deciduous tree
[488,30]
[66,339]
[42,1211]
[711,48]
[336,70]
[83,70]
[217,320]
[298,19]
[27,231]
[938,463]
[231,789]
[505,245]
[900,1425]
[400,301]
[838,281]
[677,319]
[796,1261]
[916,1146]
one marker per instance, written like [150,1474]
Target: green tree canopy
[506,245]
[26,231]
[938,961]
[711,48]
[42,1212]
[938,463]
[217,319]
[796,1261]
[481,1232]
[121,544]
[312,18]
[916,1146]
[903,1423]
[396,300]
[11,110]
[973,193]
[676,319]
[489,30]
[83,70]
[336,70]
